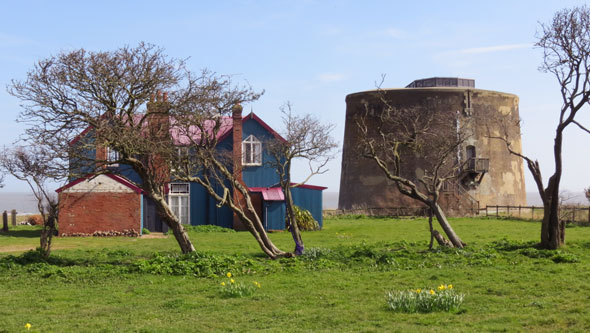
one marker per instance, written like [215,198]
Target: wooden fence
[577,214]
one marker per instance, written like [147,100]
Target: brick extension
[106,211]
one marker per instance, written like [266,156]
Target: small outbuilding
[103,203]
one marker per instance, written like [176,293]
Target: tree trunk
[49,228]
[256,228]
[431,229]
[174,224]
[552,228]
[444,223]
[291,220]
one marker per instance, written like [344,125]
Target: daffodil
[223,283]
[450,286]
[431,292]
[418,291]
[232,280]
[228,274]
[442,287]
[28,326]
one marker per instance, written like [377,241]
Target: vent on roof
[442,82]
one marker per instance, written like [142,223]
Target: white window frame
[252,156]
[177,192]
[181,153]
[111,156]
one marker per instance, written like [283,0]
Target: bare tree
[218,169]
[305,138]
[35,166]
[104,95]
[399,138]
[587,193]
[566,54]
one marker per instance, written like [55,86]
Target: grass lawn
[143,285]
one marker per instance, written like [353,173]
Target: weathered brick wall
[88,212]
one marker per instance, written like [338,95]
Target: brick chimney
[237,161]
[158,124]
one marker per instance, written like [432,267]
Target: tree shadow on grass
[22,233]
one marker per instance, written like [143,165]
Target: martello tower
[491,176]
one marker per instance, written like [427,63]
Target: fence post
[4,222]
[588,214]
[532,212]
[497,215]
[13,213]
[519,207]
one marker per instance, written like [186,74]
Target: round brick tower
[491,175]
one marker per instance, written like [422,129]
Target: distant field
[122,285]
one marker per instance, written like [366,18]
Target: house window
[112,156]
[251,151]
[178,199]
[181,152]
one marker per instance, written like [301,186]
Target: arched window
[251,151]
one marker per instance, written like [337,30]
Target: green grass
[118,284]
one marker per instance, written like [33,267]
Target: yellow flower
[450,286]
[256,284]
[431,292]
[418,291]
[28,326]
[228,274]
[232,280]
[223,283]
[442,287]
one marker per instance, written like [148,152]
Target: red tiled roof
[311,187]
[117,178]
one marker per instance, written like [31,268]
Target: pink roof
[117,178]
[184,137]
[269,193]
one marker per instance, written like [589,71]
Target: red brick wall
[88,212]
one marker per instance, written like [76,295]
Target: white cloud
[330,77]
[496,48]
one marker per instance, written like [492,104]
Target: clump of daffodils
[442,298]
[231,288]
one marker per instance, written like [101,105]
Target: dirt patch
[24,248]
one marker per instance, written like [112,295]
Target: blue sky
[314,53]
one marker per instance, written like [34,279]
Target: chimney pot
[237,110]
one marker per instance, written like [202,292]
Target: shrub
[560,257]
[444,298]
[145,231]
[314,253]
[34,220]
[305,220]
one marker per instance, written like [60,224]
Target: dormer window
[251,151]
[112,156]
